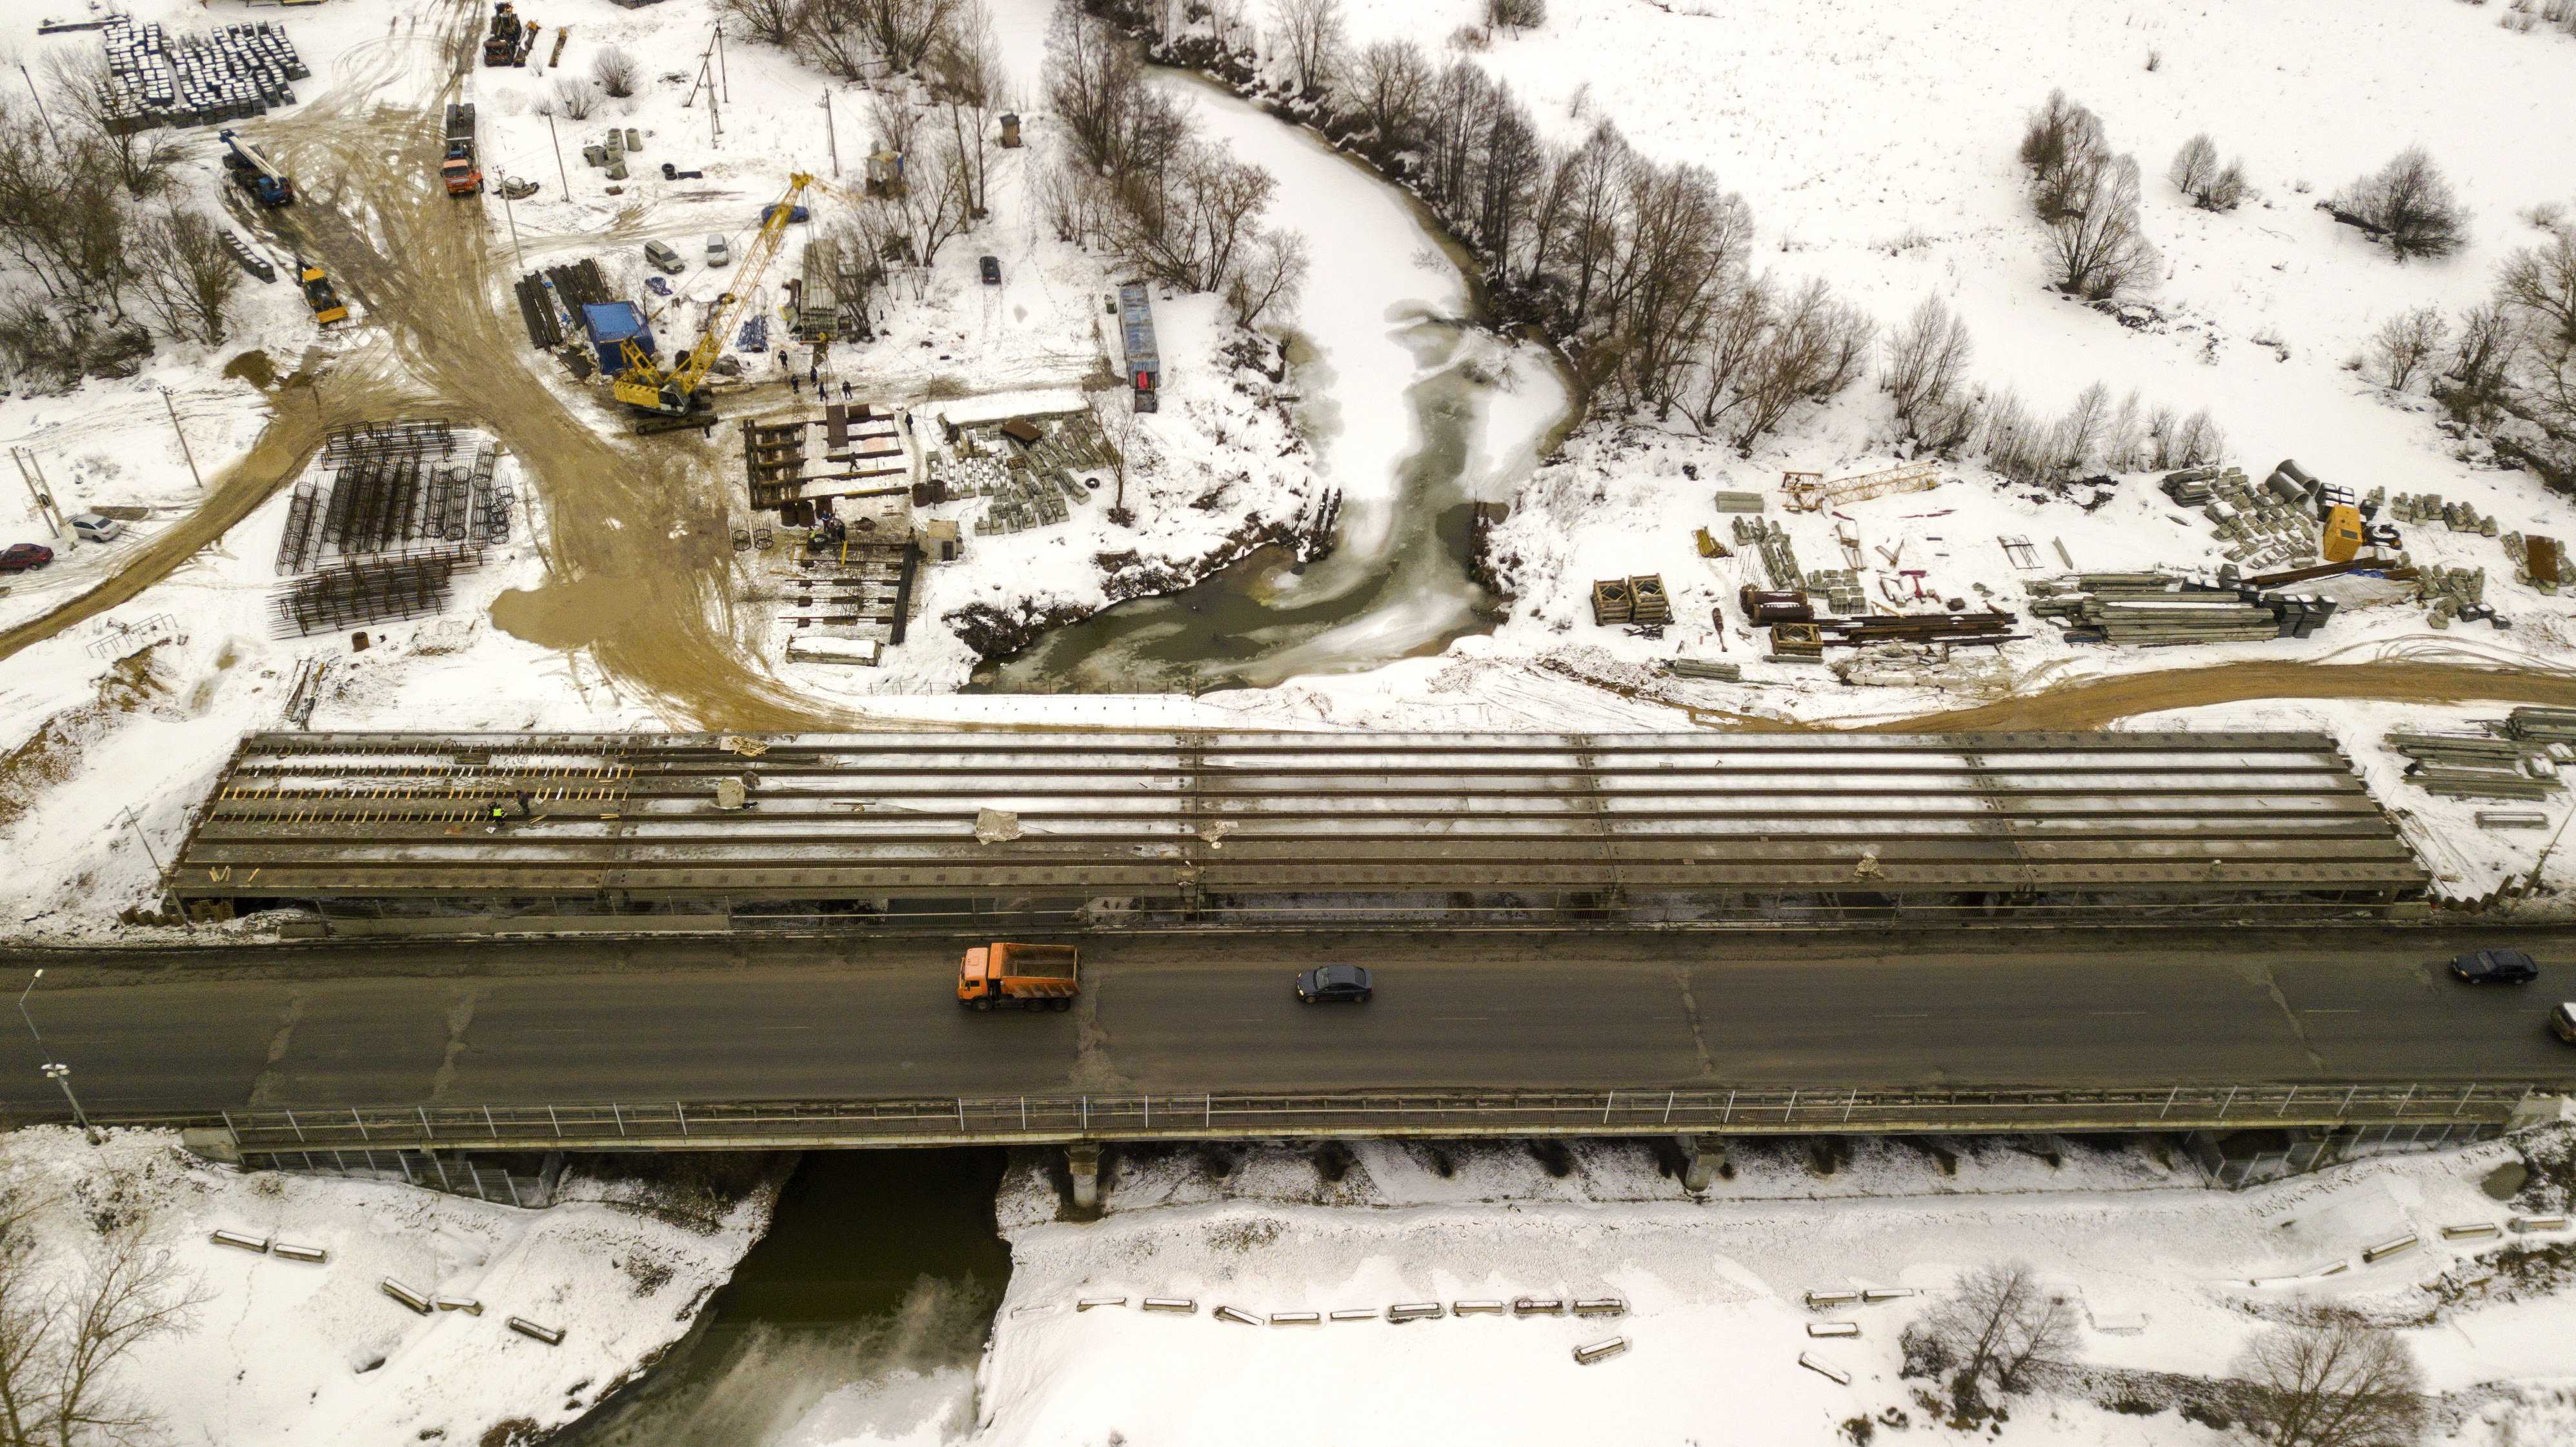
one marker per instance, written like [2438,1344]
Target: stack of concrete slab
[230,73]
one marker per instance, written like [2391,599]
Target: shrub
[614,69]
[2400,350]
[2095,242]
[575,97]
[2062,145]
[2407,206]
[2197,174]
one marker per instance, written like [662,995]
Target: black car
[2495,967]
[991,267]
[1334,982]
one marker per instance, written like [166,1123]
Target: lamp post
[55,1071]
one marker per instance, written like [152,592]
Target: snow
[280,1351]
[1715,1290]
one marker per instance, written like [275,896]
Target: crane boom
[671,393]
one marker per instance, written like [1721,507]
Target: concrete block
[1180,1304]
[551,1336]
[1600,1351]
[404,1294]
[2390,1247]
[1088,1302]
[1236,1315]
[1825,1369]
[1833,1328]
[293,1252]
[1601,1306]
[1415,1311]
[242,1239]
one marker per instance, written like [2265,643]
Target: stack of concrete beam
[2461,766]
[229,74]
[1840,588]
[2429,507]
[2150,610]
[2192,486]
[2451,593]
[2542,725]
[1779,559]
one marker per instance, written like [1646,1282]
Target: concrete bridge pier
[1085,1163]
[1703,1156]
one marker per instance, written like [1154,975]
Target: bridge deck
[1164,816]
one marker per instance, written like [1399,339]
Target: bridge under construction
[1094,831]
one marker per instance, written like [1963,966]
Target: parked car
[2562,1022]
[19,557]
[92,527]
[1335,982]
[796,215]
[719,252]
[2495,967]
[991,267]
[664,257]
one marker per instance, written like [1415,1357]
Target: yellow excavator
[674,392]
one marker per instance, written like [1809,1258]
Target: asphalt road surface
[579,1022]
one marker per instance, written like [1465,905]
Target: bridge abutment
[1084,1161]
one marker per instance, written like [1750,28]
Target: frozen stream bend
[1414,414]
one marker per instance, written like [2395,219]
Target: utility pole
[42,491]
[183,439]
[40,104]
[723,75]
[55,1071]
[517,254]
[560,174]
[155,856]
[2532,885]
[832,132]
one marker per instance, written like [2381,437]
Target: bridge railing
[1747,1111]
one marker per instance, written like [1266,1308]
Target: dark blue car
[1334,982]
[2495,967]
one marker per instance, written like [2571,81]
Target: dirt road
[2096,703]
[637,528]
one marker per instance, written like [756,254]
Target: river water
[1415,416]
[863,1311]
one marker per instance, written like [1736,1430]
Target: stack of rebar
[2474,766]
[370,591]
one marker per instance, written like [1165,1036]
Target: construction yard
[907,477]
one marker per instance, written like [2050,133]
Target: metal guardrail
[1005,1119]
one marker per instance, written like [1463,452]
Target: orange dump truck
[1038,977]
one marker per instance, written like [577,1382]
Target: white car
[2562,1022]
[92,527]
[718,252]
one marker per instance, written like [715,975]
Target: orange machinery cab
[1035,977]
[2342,534]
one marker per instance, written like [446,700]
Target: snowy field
[2166,1276]
[278,1350]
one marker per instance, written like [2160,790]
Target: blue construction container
[610,324]
[1144,364]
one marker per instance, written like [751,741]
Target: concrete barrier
[1228,1313]
[1819,1300]
[1476,1308]
[2474,1232]
[1356,1313]
[2390,1247]
[404,1294]
[1181,1304]
[551,1336]
[1088,1302]
[1825,1369]
[1296,1318]
[2525,1225]
[241,1239]
[1877,1294]
[1538,1306]
[1415,1311]
[1833,1328]
[293,1252]
[1601,1306]
[1600,1351]
[465,1304]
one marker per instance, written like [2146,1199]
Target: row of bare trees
[2508,365]
[100,244]
[2328,1381]
[1139,178]
[853,39]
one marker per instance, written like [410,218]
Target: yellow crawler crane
[674,393]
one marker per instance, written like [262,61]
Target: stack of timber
[1707,668]
[2470,766]
[1650,606]
[1993,626]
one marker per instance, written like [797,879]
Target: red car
[21,556]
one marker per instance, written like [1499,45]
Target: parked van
[92,527]
[664,257]
[718,253]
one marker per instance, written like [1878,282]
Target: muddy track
[638,528]
[2096,703]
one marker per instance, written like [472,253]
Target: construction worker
[500,813]
[795,385]
[524,811]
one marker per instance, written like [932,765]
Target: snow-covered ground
[279,1350]
[2167,1277]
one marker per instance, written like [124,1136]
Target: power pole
[40,104]
[517,254]
[560,174]
[723,75]
[39,489]
[832,132]
[183,439]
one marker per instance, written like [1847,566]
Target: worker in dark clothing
[795,385]
[524,811]
[845,391]
[815,376]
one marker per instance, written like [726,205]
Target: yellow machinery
[2341,537]
[320,295]
[674,393]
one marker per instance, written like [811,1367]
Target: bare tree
[614,69]
[1384,86]
[2407,205]
[1270,278]
[2095,244]
[2078,437]
[2540,283]
[2493,342]
[1515,14]
[1927,363]
[967,78]
[61,1344]
[1816,347]
[930,210]
[185,275]
[852,38]
[2401,350]
[575,97]
[2197,174]
[774,22]
[80,82]
[1310,34]
[2331,1384]
[1996,1324]
[2063,146]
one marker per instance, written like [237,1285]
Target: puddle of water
[2502,1182]
[863,1311]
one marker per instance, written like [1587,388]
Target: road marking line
[2330,1012]
[2119,1012]
[1925,1016]
[1458,1019]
